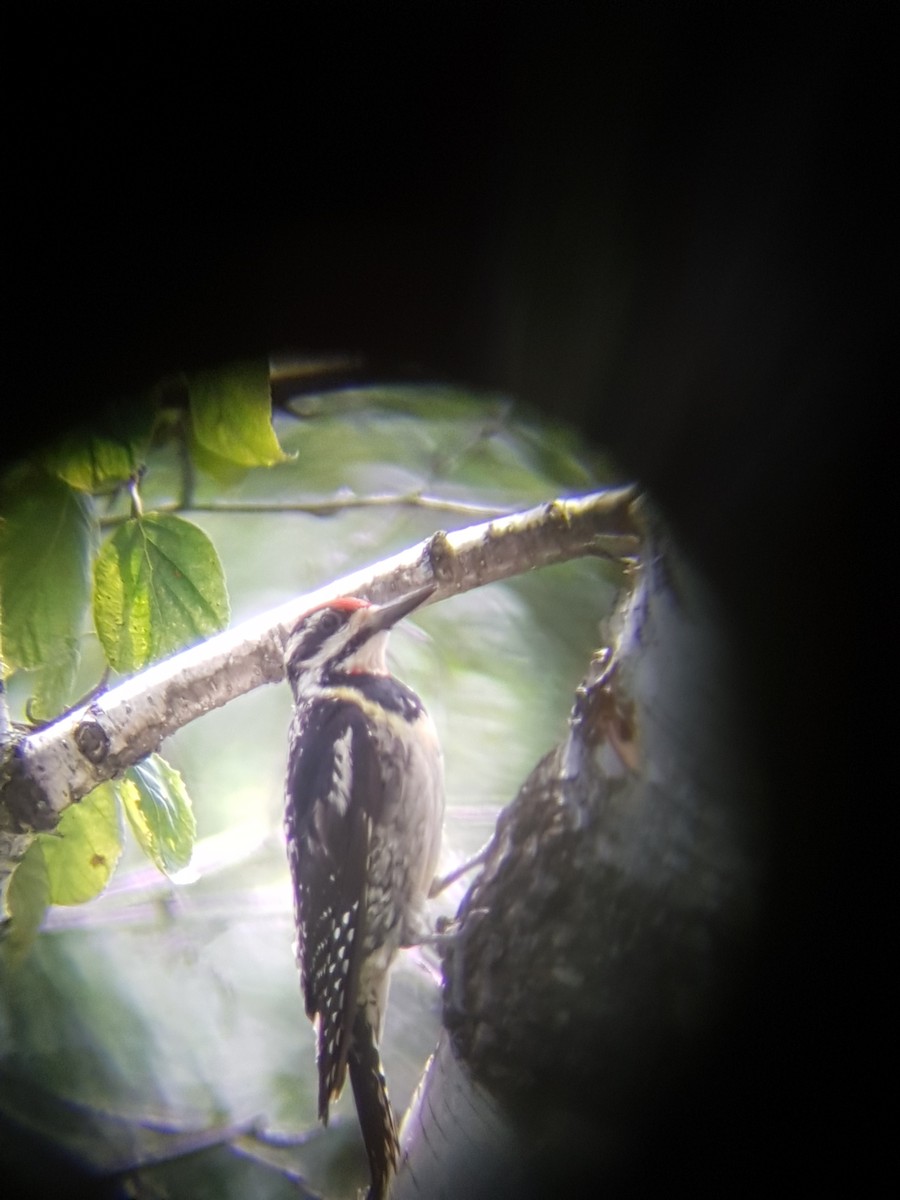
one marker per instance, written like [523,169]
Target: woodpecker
[363,820]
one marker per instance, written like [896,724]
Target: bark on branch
[45,771]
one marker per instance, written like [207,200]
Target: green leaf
[158,586]
[52,684]
[82,852]
[89,463]
[231,414]
[27,900]
[110,451]
[159,811]
[223,470]
[47,533]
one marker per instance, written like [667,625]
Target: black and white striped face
[327,638]
[344,636]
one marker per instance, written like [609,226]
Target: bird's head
[344,636]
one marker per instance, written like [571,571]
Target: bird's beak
[383,616]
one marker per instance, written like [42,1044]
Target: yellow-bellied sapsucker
[365,805]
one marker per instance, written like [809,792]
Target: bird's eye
[329,621]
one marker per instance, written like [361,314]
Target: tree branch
[342,502]
[55,766]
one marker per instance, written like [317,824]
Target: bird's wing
[334,785]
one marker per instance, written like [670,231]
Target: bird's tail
[373,1106]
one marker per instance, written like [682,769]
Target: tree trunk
[599,946]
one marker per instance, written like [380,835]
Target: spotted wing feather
[334,786]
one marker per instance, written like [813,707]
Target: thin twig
[335,504]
